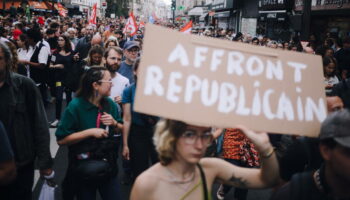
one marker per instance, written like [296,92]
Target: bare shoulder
[146,183]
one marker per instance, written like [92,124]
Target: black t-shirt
[6,153]
[67,61]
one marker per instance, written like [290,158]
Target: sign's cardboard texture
[213,82]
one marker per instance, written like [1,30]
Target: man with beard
[84,44]
[131,51]
[113,58]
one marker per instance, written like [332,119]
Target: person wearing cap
[131,51]
[332,180]
[138,129]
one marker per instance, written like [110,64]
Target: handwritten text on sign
[212,82]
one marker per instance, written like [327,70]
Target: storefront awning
[38,6]
[202,17]
[197,11]
[9,4]
[222,14]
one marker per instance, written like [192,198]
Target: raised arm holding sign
[202,82]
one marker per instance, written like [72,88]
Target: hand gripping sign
[212,82]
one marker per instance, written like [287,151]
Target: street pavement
[60,166]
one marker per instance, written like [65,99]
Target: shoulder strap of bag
[204,182]
[35,55]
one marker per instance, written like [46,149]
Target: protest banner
[213,82]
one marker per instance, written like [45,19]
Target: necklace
[175,180]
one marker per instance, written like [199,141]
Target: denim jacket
[25,120]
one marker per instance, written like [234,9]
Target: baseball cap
[337,126]
[130,44]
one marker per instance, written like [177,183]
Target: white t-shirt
[120,82]
[44,52]
[25,54]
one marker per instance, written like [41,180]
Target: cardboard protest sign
[212,82]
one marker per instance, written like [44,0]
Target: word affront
[213,82]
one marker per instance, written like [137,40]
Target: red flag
[187,28]
[131,25]
[61,10]
[93,15]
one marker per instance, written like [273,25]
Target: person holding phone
[88,128]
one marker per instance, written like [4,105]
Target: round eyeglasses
[190,137]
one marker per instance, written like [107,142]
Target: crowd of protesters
[94,68]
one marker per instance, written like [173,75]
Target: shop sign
[271,15]
[275,4]
[222,14]
[324,4]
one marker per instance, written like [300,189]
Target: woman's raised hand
[260,139]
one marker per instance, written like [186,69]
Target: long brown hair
[13,50]
[67,45]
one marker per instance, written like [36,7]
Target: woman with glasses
[88,127]
[60,63]
[182,172]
